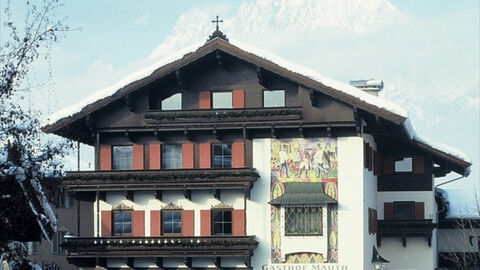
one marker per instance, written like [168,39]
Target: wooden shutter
[138,220]
[418,165]
[388,211]
[238,222]
[370,217]
[378,164]
[238,154]
[138,157]
[204,101]
[155,223]
[105,157]
[238,97]
[188,223]
[187,156]
[155,156]
[419,210]
[205,155]
[388,165]
[205,223]
[106,223]
[375,221]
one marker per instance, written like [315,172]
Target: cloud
[100,67]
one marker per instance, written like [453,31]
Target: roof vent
[370,86]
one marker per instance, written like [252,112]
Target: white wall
[351,226]
[370,201]
[418,196]
[417,255]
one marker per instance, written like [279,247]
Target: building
[225,157]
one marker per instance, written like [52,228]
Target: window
[122,223]
[222,155]
[171,156]
[122,157]
[222,222]
[222,100]
[171,222]
[303,220]
[273,98]
[404,210]
[173,102]
[58,240]
[404,165]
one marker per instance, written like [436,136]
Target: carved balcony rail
[244,115]
[181,179]
[405,229]
[161,246]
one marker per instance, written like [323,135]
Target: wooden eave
[209,47]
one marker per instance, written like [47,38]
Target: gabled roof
[265,60]
[303,194]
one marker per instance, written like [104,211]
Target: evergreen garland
[221,114]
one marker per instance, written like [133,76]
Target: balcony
[405,229]
[186,118]
[89,251]
[181,179]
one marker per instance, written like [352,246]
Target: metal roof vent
[370,86]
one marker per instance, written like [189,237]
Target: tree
[28,157]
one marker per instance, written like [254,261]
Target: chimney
[370,86]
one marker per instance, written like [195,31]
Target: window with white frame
[122,157]
[303,221]
[273,98]
[222,100]
[173,102]
[171,156]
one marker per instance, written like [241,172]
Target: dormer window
[222,100]
[174,102]
[404,165]
[273,98]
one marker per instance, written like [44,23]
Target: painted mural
[304,258]
[304,160]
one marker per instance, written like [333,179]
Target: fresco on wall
[304,160]
[304,258]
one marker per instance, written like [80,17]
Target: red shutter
[419,210]
[188,223]
[155,223]
[105,157]
[388,211]
[205,155]
[205,223]
[388,165]
[238,97]
[155,152]
[138,221]
[378,164]
[138,157]
[238,222]
[187,155]
[106,223]
[238,154]
[204,100]
[418,165]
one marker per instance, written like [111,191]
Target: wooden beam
[129,262]
[186,133]
[218,262]
[300,131]
[158,195]
[272,132]
[219,58]
[261,77]
[159,263]
[313,95]
[187,193]
[90,124]
[245,133]
[216,193]
[180,79]
[187,261]
[157,135]
[215,132]
[329,132]
[130,102]
[128,195]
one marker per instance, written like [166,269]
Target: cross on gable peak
[217,33]
[216,21]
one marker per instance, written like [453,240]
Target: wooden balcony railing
[181,179]
[88,251]
[245,115]
[405,229]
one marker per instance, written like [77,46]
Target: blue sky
[427,52]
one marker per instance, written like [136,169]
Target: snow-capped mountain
[264,16]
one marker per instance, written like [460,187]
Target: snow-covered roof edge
[303,71]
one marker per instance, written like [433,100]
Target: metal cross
[217,21]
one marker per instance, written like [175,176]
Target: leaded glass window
[122,157]
[171,222]
[222,155]
[171,156]
[222,222]
[303,220]
[122,222]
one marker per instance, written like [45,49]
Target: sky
[427,53]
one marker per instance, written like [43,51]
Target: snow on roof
[337,85]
